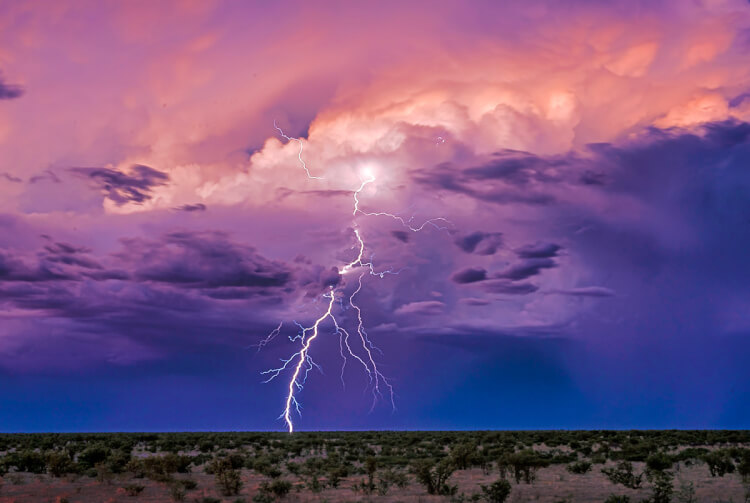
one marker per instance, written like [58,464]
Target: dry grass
[553,484]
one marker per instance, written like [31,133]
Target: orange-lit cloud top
[187,90]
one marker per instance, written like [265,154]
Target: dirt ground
[552,485]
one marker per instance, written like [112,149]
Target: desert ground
[546,467]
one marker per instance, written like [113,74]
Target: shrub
[189,484]
[133,489]
[262,497]
[523,465]
[227,478]
[136,467]
[743,467]
[118,461]
[336,473]
[393,477]
[579,467]
[434,476]
[464,455]
[659,461]
[623,474]
[278,488]
[686,493]
[617,498]
[27,461]
[663,489]
[719,463]
[93,455]
[59,464]
[497,492]
[177,491]
[103,472]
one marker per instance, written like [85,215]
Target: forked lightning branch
[354,344]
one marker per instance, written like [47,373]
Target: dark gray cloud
[469,275]
[525,269]
[45,175]
[515,168]
[192,207]
[539,250]
[474,301]
[479,184]
[63,253]
[55,262]
[11,178]
[586,291]
[480,243]
[402,236]
[508,287]
[122,188]
[9,91]
[203,260]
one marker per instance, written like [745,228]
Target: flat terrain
[553,467]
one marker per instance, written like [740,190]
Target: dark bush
[497,492]
[659,461]
[434,476]
[93,455]
[177,491]
[59,464]
[719,463]
[662,486]
[523,465]
[227,478]
[133,489]
[278,488]
[579,467]
[623,474]
[464,455]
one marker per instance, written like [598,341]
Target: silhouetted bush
[523,465]
[464,455]
[623,474]
[497,492]
[60,463]
[434,476]
[662,486]
[659,461]
[93,455]
[719,463]
[227,478]
[579,467]
[133,489]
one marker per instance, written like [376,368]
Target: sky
[557,194]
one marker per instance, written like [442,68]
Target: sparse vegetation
[623,474]
[228,479]
[497,492]
[657,466]
[133,489]
[434,476]
[579,467]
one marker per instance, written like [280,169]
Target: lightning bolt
[405,223]
[299,154]
[271,336]
[300,361]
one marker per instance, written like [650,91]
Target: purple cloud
[421,308]
[122,188]
[480,243]
[9,91]
[469,275]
